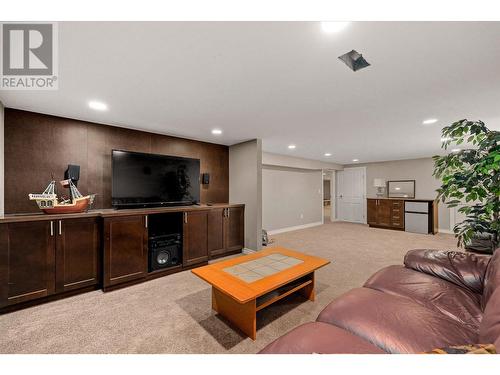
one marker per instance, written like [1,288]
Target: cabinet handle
[228,212]
[146,221]
[185,217]
[51,228]
[60,227]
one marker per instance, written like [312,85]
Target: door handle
[51,228]
[228,212]
[146,221]
[185,217]
[60,227]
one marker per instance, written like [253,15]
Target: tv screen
[147,180]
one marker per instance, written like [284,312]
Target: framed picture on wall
[401,189]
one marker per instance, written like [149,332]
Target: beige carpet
[173,315]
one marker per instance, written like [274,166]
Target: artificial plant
[471,175]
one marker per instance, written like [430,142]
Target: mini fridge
[417,217]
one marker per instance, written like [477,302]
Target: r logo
[27,49]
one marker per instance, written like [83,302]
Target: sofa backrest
[491,279]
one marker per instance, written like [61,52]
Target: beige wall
[291,197]
[294,162]
[419,170]
[2,205]
[245,186]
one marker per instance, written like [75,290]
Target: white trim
[445,231]
[297,227]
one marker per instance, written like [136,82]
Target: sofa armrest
[463,269]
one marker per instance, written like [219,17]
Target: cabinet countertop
[111,212]
[404,199]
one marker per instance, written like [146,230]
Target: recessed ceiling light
[333,27]
[430,121]
[216,131]
[455,150]
[98,106]
[328,154]
[291,147]
[355,160]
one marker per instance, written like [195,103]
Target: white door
[351,193]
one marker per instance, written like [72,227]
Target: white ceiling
[280,81]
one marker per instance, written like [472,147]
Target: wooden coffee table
[244,285]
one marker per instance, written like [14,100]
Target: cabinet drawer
[422,207]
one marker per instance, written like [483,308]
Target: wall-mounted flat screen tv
[148,180]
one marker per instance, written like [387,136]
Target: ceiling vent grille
[354,60]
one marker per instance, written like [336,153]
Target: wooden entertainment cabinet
[44,257]
[389,213]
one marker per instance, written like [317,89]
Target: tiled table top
[257,269]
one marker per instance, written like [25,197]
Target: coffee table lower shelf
[244,315]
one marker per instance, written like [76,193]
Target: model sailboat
[50,204]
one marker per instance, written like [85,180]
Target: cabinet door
[384,216]
[26,261]
[234,228]
[371,207]
[125,249]
[195,241]
[216,231]
[77,250]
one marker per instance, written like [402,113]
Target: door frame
[364,193]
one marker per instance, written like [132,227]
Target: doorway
[328,193]
[351,195]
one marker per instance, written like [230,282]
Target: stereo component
[165,251]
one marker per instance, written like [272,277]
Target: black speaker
[165,251]
[205,178]
[73,173]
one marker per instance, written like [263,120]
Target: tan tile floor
[257,269]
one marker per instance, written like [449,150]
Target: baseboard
[247,251]
[297,227]
[445,231]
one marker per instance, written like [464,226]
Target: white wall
[2,205]
[419,170]
[291,198]
[245,186]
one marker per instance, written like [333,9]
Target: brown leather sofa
[437,299]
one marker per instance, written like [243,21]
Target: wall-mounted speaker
[73,173]
[205,178]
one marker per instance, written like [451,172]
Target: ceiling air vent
[354,60]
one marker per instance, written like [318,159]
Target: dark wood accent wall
[38,146]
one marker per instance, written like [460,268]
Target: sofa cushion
[393,323]
[492,278]
[463,269]
[320,338]
[489,331]
[457,303]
